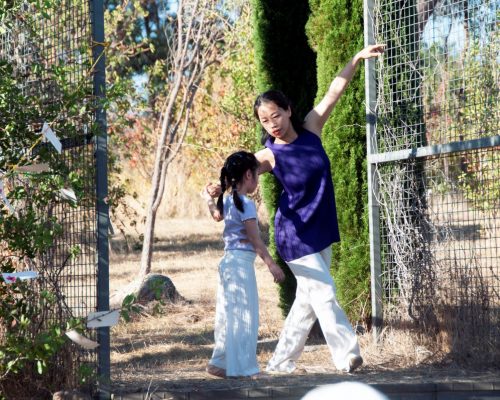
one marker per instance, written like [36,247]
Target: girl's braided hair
[235,167]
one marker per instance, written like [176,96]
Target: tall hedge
[284,62]
[335,32]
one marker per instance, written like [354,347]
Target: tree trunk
[192,52]
[147,244]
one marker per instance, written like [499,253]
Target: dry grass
[172,347]
[179,340]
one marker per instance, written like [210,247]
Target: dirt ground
[167,347]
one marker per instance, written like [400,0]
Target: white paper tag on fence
[51,137]
[101,319]
[81,340]
[4,198]
[43,167]
[68,194]
[111,227]
[11,277]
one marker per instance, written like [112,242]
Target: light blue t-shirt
[234,229]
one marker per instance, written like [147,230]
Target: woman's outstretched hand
[371,51]
[213,189]
[214,211]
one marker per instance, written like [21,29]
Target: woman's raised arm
[316,118]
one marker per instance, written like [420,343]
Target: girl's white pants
[236,315]
[315,298]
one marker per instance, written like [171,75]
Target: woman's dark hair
[235,167]
[281,101]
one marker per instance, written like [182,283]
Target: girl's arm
[316,118]
[260,248]
[212,207]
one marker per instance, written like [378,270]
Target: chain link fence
[56,54]
[434,166]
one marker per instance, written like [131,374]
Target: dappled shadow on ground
[152,360]
[124,345]
[187,244]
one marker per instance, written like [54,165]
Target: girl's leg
[218,359]
[242,314]
[297,325]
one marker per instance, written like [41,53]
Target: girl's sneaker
[216,371]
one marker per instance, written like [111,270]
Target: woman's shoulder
[307,132]
[309,136]
[266,160]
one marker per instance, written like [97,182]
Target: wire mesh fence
[51,54]
[435,168]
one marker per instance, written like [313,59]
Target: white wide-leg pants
[236,315]
[315,298]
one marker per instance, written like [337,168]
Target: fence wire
[437,94]
[62,42]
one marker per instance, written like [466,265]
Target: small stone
[157,287]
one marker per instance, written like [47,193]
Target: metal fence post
[371,144]
[103,370]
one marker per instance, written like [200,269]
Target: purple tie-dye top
[306,219]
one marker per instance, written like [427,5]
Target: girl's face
[250,181]
[275,120]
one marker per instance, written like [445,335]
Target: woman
[306,221]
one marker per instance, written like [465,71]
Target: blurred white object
[101,319]
[11,277]
[4,198]
[345,391]
[86,343]
[50,136]
[68,194]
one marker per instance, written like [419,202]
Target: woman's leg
[242,314]
[315,297]
[297,326]
[339,335]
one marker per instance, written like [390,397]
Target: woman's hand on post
[371,51]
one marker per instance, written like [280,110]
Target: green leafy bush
[34,315]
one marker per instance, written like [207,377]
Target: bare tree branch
[196,41]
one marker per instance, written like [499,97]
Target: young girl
[237,307]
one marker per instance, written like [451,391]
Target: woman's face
[275,120]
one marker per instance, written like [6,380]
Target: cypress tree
[284,62]
[335,31]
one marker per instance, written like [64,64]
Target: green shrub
[284,62]
[335,31]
